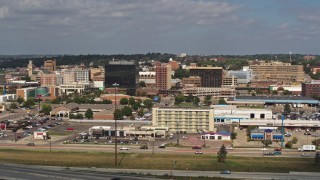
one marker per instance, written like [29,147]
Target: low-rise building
[188,120]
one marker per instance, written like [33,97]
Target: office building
[75,75]
[48,80]
[192,81]
[311,88]
[210,76]
[123,73]
[284,73]
[50,65]
[163,76]
[184,119]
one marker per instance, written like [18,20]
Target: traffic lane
[41,172]
[136,149]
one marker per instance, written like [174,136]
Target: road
[26,172]
[248,152]
[10,171]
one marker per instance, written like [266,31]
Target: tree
[79,116]
[135,106]
[274,92]
[148,103]
[234,135]
[196,100]
[132,101]
[286,92]
[72,116]
[316,142]
[222,101]
[13,106]
[127,111]
[266,142]
[29,102]
[88,114]
[189,98]
[289,144]
[118,114]
[142,84]
[124,101]
[46,109]
[287,109]
[294,140]
[222,154]
[179,99]
[20,100]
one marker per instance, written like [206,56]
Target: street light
[115,85]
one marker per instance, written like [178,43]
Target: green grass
[59,133]
[157,161]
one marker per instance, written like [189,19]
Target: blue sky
[207,27]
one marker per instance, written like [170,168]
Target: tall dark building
[210,76]
[123,73]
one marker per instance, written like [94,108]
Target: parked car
[264,149]
[184,137]
[277,153]
[196,147]
[162,146]
[198,152]
[144,147]
[307,133]
[124,148]
[278,149]
[70,129]
[30,144]
[268,154]
[225,172]
[229,148]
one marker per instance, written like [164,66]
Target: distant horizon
[158,52]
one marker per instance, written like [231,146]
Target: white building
[188,120]
[244,76]
[8,97]
[78,88]
[231,114]
[224,136]
[40,135]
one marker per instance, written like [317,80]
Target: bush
[294,140]
[289,144]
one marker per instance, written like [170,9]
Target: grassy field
[158,161]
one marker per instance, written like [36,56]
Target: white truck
[307,148]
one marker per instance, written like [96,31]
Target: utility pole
[178,133]
[115,85]
[282,130]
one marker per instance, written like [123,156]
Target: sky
[195,27]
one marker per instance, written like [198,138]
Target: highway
[15,171]
[248,152]
[26,172]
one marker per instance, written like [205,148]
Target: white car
[184,137]
[198,152]
[229,148]
[263,149]
[124,148]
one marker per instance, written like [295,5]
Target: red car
[278,149]
[70,129]
[196,147]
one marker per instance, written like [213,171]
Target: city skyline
[200,27]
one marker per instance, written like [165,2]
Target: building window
[251,116]
[262,116]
